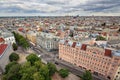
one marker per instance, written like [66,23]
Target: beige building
[117,75]
[101,62]
[31,35]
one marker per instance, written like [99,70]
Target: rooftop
[1,40]
[48,35]
[2,48]
[107,51]
[116,53]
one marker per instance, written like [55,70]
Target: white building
[47,41]
[8,36]
[5,51]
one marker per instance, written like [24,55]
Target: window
[118,72]
[94,52]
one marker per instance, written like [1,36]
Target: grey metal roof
[116,53]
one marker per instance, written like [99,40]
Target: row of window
[11,39]
[86,62]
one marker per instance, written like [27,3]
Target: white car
[39,55]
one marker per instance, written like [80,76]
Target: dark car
[56,63]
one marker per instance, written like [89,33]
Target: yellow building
[31,35]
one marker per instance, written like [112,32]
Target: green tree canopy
[45,72]
[21,41]
[32,58]
[13,57]
[27,73]
[87,76]
[52,68]
[33,69]
[13,73]
[100,38]
[63,73]
[15,47]
[8,66]
[38,64]
[38,76]
[71,34]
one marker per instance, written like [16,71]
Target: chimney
[84,46]
[74,44]
[108,53]
[66,41]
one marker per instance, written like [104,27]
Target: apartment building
[7,36]
[117,74]
[114,36]
[31,35]
[5,51]
[47,41]
[101,62]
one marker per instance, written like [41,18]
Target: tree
[33,69]
[24,71]
[26,65]
[104,24]
[71,34]
[100,38]
[38,64]
[13,57]
[38,76]
[27,73]
[52,68]
[8,66]
[113,23]
[32,58]
[15,47]
[21,41]
[13,73]
[63,73]
[87,76]
[45,72]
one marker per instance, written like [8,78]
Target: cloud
[101,5]
[60,7]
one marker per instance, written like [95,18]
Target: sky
[59,7]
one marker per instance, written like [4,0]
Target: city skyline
[59,7]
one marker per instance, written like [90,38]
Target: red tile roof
[20,29]
[1,40]
[108,52]
[74,44]
[83,47]
[2,48]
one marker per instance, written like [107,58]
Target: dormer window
[94,52]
